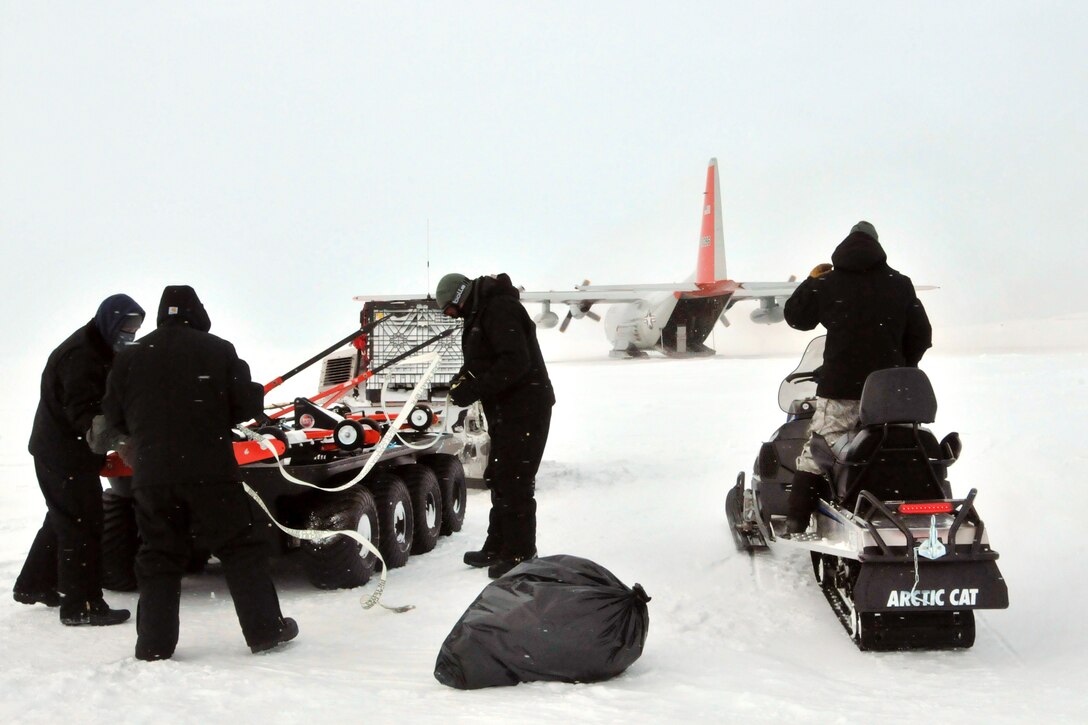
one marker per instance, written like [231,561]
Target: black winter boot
[96,614]
[804,493]
[503,566]
[489,552]
[288,630]
[483,557]
[48,598]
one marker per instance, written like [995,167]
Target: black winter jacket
[502,355]
[73,383]
[177,394]
[872,314]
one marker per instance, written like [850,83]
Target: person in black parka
[503,369]
[176,396]
[64,564]
[874,320]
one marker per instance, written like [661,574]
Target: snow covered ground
[635,475]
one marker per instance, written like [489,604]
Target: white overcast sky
[281,157]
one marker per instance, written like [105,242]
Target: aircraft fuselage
[666,323]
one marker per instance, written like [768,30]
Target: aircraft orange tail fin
[711,264]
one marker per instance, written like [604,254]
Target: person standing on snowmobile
[503,369]
[176,396]
[874,320]
[63,567]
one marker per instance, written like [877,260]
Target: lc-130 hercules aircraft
[672,318]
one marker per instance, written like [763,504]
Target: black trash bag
[558,618]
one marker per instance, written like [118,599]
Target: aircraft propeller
[580,310]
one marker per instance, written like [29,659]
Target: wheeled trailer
[414,492]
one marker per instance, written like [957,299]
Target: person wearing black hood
[63,567]
[504,370]
[874,320]
[176,396]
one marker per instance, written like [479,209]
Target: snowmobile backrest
[893,462]
[897,395]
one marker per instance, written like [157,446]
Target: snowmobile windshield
[801,384]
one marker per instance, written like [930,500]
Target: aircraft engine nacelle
[769,312]
[546,319]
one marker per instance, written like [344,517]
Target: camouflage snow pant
[833,419]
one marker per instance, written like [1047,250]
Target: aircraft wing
[754,290]
[751,290]
[601,293]
[587,296]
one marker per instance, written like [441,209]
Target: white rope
[400,438]
[314,534]
[917,577]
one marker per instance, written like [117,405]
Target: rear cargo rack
[868,504]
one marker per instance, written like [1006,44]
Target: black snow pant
[220,516]
[517,446]
[66,555]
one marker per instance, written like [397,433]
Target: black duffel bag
[558,618]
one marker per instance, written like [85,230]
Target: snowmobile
[902,562]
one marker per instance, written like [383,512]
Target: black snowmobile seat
[892,455]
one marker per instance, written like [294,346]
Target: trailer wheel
[120,541]
[338,562]
[349,434]
[451,480]
[395,520]
[421,417]
[426,505]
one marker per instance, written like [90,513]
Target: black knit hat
[453,289]
[865,228]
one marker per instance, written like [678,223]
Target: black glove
[464,391]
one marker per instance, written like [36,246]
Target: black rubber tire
[120,540]
[276,433]
[372,424]
[451,479]
[395,519]
[338,562]
[426,506]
